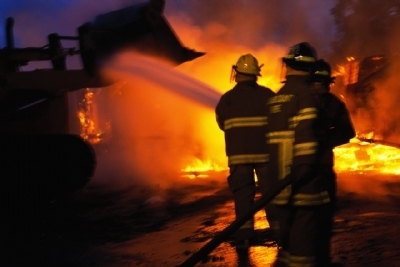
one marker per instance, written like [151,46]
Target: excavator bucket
[141,28]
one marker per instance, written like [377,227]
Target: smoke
[225,30]
[162,120]
[253,23]
[366,28]
[374,111]
[368,186]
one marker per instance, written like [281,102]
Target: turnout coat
[241,113]
[292,139]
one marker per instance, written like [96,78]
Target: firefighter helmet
[248,64]
[322,73]
[301,56]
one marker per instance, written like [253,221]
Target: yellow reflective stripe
[286,160]
[311,199]
[248,158]
[284,139]
[305,149]
[283,256]
[300,58]
[281,136]
[302,199]
[307,111]
[301,261]
[280,99]
[296,261]
[322,72]
[283,197]
[245,122]
[303,114]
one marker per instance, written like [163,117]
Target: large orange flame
[366,158]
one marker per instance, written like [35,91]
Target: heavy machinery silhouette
[40,158]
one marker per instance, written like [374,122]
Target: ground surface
[109,225]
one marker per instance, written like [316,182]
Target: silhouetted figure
[241,114]
[336,128]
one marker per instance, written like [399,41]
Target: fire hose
[259,204]
[237,223]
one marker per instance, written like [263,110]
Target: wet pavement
[150,226]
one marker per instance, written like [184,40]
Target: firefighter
[336,128]
[293,147]
[241,114]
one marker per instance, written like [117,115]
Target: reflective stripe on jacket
[293,142]
[241,113]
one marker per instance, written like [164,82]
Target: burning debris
[201,169]
[361,157]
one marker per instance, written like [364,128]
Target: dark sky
[251,23]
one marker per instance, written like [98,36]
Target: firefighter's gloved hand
[302,173]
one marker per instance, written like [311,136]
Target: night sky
[250,23]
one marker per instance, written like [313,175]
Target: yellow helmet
[248,64]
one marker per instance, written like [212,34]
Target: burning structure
[43,155]
[370,93]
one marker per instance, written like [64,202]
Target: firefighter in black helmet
[292,114]
[241,114]
[336,128]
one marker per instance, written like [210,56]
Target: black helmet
[322,73]
[301,56]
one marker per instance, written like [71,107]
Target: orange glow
[199,168]
[340,71]
[163,119]
[263,255]
[260,220]
[88,119]
[214,68]
[367,158]
[164,123]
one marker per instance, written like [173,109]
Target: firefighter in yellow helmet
[293,146]
[241,114]
[335,129]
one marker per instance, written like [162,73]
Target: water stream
[162,119]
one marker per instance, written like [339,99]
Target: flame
[365,158]
[358,157]
[89,118]
[341,70]
[199,168]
